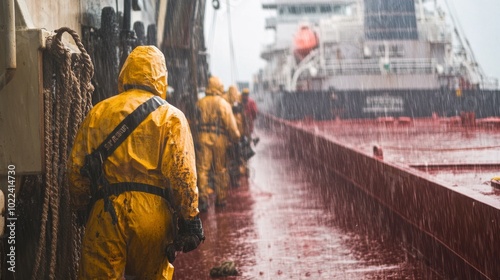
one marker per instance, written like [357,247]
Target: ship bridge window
[293,10]
[397,51]
[381,50]
[297,10]
[337,9]
[325,9]
[394,50]
[309,9]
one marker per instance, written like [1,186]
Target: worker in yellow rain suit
[131,236]
[233,97]
[216,128]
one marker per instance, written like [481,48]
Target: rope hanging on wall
[67,91]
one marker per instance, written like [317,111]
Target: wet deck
[287,222]
[465,158]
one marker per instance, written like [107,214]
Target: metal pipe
[10,39]
[127,9]
[303,65]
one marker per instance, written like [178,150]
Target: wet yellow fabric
[233,97]
[136,244]
[160,150]
[215,110]
[215,86]
[145,66]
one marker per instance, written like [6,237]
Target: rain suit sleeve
[179,166]
[229,120]
[79,188]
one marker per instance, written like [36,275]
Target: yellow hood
[233,95]
[145,66]
[214,87]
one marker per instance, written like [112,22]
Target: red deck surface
[451,220]
[465,158]
[285,222]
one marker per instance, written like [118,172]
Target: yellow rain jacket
[233,97]
[159,152]
[216,127]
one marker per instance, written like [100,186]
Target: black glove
[237,108]
[190,235]
[245,148]
[171,253]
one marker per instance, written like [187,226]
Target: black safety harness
[212,128]
[93,167]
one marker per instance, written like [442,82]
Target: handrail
[10,41]
[360,66]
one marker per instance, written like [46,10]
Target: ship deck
[464,158]
[286,222]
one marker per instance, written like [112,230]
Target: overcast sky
[480,20]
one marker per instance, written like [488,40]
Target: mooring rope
[67,100]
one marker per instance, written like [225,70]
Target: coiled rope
[67,91]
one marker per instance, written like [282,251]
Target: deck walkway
[283,223]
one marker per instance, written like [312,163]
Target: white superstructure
[367,45]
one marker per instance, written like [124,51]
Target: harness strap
[119,188]
[212,128]
[93,167]
[125,128]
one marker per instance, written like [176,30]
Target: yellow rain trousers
[159,152]
[216,127]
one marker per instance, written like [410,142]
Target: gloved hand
[171,253]
[245,148]
[190,235]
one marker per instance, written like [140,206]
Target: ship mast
[234,69]
[466,49]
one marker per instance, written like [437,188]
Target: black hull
[321,105]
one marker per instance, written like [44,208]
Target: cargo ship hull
[357,104]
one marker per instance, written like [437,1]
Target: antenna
[234,69]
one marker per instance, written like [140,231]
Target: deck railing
[375,67]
